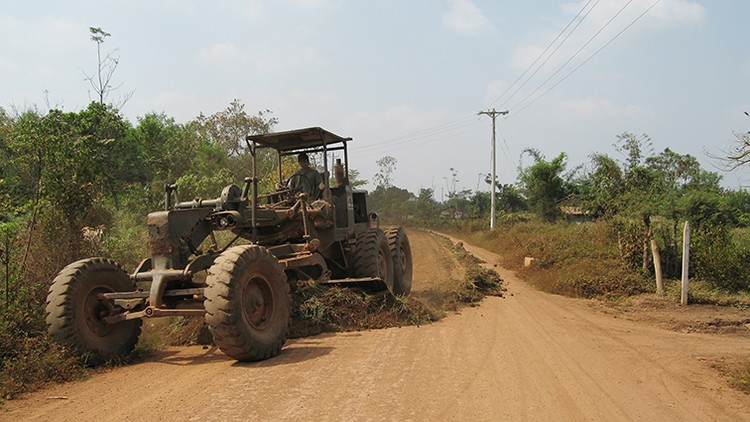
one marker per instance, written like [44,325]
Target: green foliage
[28,358]
[651,195]
[571,259]
[393,204]
[544,185]
[720,261]
[29,361]
[226,130]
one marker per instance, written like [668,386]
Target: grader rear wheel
[247,303]
[372,257]
[398,243]
[75,312]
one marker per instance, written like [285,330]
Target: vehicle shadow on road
[295,351]
[299,351]
[176,357]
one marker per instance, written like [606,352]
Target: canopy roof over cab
[300,139]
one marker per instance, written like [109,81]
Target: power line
[454,128]
[589,58]
[418,135]
[532,93]
[547,49]
[413,143]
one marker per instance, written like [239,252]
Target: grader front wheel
[247,303]
[75,313]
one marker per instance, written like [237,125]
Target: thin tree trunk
[646,240]
[32,223]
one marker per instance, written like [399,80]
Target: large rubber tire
[247,303]
[372,257]
[74,313]
[398,242]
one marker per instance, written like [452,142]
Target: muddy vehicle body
[96,308]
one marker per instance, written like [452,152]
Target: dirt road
[530,356]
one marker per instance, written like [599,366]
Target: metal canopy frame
[308,140]
[300,139]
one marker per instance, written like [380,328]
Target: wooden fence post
[657,267]
[685,262]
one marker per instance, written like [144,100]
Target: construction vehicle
[96,308]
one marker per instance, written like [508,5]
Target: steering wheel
[304,186]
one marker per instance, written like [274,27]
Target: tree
[603,187]
[644,185]
[170,152]
[105,69]
[386,165]
[740,153]
[394,204]
[425,206]
[508,198]
[227,129]
[543,184]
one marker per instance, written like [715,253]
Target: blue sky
[407,78]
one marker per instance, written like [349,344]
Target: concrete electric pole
[492,113]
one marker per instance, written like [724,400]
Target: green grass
[578,260]
[703,292]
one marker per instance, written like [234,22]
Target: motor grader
[243,290]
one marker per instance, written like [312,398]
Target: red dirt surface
[528,356]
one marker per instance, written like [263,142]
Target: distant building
[452,214]
[572,209]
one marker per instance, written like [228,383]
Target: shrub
[716,258]
[28,358]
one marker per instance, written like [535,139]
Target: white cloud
[601,108]
[264,60]
[679,12]
[466,18]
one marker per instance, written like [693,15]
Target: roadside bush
[720,261]
[599,277]
[580,260]
[28,358]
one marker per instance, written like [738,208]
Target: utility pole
[492,113]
